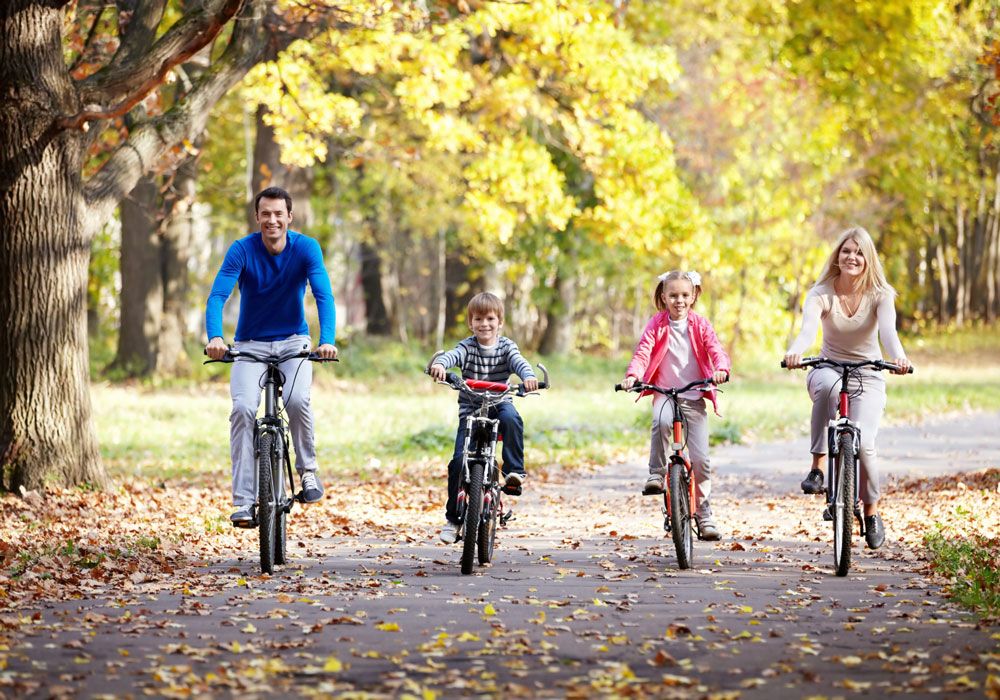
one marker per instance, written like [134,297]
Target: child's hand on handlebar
[437,372]
[720,376]
[530,384]
[628,382]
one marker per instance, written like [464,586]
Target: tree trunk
[440,290]
[142,284]
[268,171]
[558,335]
[376,316]
[46,429]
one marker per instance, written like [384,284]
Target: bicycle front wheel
[843,504]
[680,515]
[473,513]
[266,510]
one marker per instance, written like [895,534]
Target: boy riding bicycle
[486,356]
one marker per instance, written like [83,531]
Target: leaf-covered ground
[146,590]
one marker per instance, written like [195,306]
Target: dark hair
[272,193]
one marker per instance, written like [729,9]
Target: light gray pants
[245,385]
[865,409]
[662,436]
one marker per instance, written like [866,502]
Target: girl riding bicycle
[679,346]
[855,305]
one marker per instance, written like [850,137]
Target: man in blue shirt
[271,267]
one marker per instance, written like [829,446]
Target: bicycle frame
[678,454]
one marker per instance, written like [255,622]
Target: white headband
[690,274]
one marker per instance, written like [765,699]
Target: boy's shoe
[312,488]
[243,517]
[813,483]
[449,532]
[654,485]
[874,531]
[513,482]
[707,529]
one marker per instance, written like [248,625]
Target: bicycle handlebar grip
[783,365]
[618,387]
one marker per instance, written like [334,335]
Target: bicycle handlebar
[838,364]
[478,387]
[232,354]
[700,384]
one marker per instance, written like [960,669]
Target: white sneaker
[449,532]
[312,488]
[707,529]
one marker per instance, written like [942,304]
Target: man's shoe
[654,485]
[312,489]
[874,531]
[813,483]
[449,532]
[242,517]
[707,529]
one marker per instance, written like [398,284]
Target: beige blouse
[849,338]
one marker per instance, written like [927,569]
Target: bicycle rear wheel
[680,515]
[488,526]
[266,510]
[843,504]
[473,512]
[283,495]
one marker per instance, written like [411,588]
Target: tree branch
[131,81]
[150,142]
[140,19]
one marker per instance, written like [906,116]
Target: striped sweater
[492,364]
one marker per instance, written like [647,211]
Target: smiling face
[851,261]
[678,296]
[485,325]
[273,218]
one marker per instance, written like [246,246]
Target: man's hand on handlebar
[902,364]
[216,348]
[793,361]
[327,351]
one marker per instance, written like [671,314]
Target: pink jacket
[652,346]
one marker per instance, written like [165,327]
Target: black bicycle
[843,444]
[679,494]
[480,504]
[273,477]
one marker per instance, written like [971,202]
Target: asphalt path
[584,598]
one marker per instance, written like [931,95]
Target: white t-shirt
[679,366]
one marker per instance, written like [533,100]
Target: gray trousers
[865,410]
[662,435]
[245,386]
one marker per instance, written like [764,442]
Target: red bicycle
[679,493]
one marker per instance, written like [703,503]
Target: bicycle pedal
[245,524]
[512,490]
[507,517]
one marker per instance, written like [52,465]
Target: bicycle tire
[680,515]
[488,528]
[473,511]
[266,514]
[281,499]
[843,505]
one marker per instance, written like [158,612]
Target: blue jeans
[512,430]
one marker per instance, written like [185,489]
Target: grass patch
[972,567]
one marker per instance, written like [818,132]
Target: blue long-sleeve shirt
[273,290]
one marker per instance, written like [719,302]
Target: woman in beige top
[855,305]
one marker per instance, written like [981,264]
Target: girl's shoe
[654,485]
[707,529]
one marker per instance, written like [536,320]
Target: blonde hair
[670,277]
[873,278]
[482,304]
